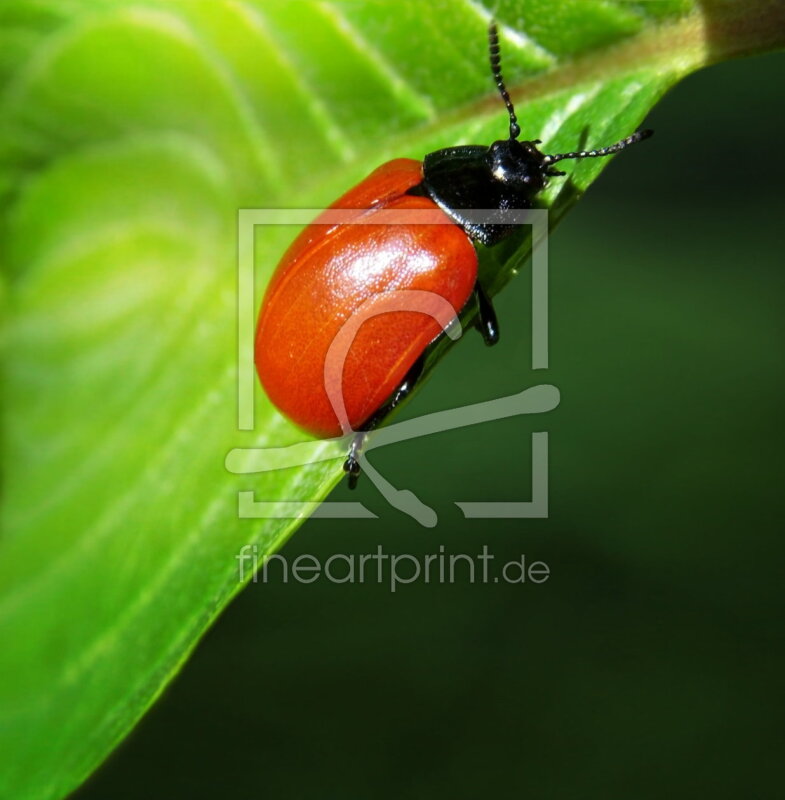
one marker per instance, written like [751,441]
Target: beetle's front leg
[486,323]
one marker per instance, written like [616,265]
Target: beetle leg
[486,323]
[352,464]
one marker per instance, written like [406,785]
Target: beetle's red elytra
[318,286]
[331,270]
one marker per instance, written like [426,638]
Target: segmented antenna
[603,151]
[496,71]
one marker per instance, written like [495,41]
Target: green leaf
[130,135]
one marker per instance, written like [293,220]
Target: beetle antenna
[636,137]
[496,70]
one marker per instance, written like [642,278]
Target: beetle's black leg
[487,323]
[352,464]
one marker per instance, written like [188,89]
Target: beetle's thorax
[468,180]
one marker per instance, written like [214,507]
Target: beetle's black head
[518,166]
[505,177]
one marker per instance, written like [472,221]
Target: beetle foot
[352,468]
[352,464]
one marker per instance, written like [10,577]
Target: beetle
[331,270]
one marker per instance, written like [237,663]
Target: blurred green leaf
[130,134]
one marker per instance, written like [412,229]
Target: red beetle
[331,271]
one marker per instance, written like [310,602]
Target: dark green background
[651,663]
